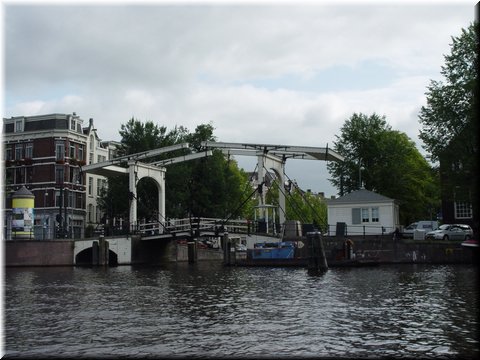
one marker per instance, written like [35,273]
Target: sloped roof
[360,196]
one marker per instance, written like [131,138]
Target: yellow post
[23,203]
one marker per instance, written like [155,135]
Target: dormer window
[73,124]
[18,125]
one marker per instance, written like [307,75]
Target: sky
[282,72]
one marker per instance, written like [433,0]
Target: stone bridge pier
[123,250]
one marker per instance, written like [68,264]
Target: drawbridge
[269,158]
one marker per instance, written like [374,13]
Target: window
[90,212]
[99,186]
[60,150]
[19,126]
[463,210]
[356,216]
[73,124]
[80,152]
[90,185]
[8,153]
[58,198]
[365,215]
[18,151]
[29,151]
[59,174]
[375,217]
[72,151]
[75,175]
[71,199]
[20,175]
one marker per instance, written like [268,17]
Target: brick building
[45,153]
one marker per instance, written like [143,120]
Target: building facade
[363,212]
[45,153]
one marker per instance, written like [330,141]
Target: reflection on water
[208,310]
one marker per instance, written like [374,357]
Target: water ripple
[211,311]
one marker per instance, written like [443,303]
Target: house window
[8,153]
[99,186]
[73,124]
[72,151]
[59,174]
[90,213]
[19,126]
[365,215]
[29,151]
[356,219]
[463,210]
[90,185]
[375,216]
[58,199]
[18,151]
[60,150]
[80,152]
[20,175]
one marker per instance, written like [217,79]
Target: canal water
[207,310]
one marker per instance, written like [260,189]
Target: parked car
[241,247]
[451,232]
[427,225]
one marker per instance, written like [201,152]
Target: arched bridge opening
[90,257]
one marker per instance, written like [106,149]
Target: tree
[211,187]
[449,110]
[300,205]
[385,161]
[450,121]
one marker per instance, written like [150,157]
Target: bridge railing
[204,224]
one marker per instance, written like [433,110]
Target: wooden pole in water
[192,251]
[317,260]
[226,249]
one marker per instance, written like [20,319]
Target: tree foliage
[209,187]
[300,205]
[385,161]
[450,120]
[449,112]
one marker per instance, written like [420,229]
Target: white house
[363,212]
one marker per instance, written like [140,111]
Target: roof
[360,196]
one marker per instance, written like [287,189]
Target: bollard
[95,253]
[316,259]
[102,251]
[226,249]
[192,253]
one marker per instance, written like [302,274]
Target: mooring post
[192,253]
[226,249]
[95,253]
[317,260]
[102,251]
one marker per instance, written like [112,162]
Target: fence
[343,229]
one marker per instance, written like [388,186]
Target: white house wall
[343,213]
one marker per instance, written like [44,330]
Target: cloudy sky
[258,72]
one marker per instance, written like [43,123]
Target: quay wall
[39,253]
[383,248]
[389,250]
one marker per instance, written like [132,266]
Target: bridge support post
[95,253]
[316,260]
[103,248]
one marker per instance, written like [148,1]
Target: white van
[426,225]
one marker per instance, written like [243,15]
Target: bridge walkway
[188,227]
